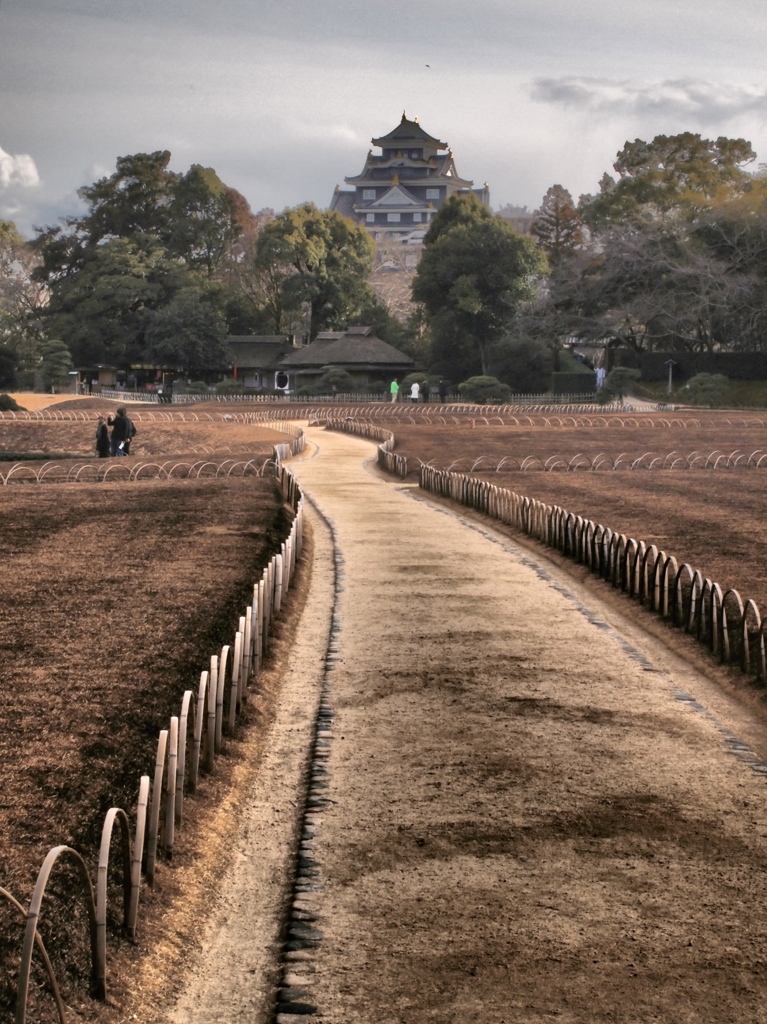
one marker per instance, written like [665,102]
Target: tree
[557,226]
[55,362]
[188,333]
[206,219]
[524,363]
[472,279]
[22,302]
[8,365]
[462,209]
[670,172]
[150,238]
[316,260]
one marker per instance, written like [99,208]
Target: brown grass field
[114,597]
[155,436]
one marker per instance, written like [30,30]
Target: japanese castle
[397,193]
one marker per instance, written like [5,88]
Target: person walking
[131,434]
[120,431]
[425,391]
[415,391]
[102,438]
[394,390]
[442,390]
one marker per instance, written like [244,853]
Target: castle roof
[408,132]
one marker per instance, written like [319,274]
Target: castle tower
[398,192]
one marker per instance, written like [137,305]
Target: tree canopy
[472,278]
[315,260]
[140,268]
[672,171]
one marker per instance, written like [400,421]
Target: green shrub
[335,380]
[620,381]
[709,389]
[482,390]
[197,387]
[228,386]
[8,404]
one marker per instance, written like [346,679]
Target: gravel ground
[537,811]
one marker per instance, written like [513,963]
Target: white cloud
[18,170]
[700,102]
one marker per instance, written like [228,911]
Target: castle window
[432,193]
[417,216]
[368,193]
[393,218]
[370,218]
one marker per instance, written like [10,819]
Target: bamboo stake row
[160,806]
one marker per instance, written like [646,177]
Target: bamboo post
[278,563]
[247,649]
[285,568]
[212,693]
[170,789]
[240,656]
[154,817]
[114,814]
[198,718]
[236,662]
[260,627]
[220,697]
[181,773]
[255,655]
[265,614]
[138,854]
[270,574]
[234,690]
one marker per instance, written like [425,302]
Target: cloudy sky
[282,97]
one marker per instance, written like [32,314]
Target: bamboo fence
[192,741]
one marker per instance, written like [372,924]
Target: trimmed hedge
[573,383]
[735,365]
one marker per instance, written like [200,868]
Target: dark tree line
[163,265]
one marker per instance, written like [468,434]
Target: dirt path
[538,812]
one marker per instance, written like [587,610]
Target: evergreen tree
[472,279]
[557,226]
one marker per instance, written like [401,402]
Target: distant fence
[731,628]
[179,398]
[189,745]
[128,470]
[602,462]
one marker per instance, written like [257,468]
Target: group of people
[118,442]
[419,391]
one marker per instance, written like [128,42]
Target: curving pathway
[522,807]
